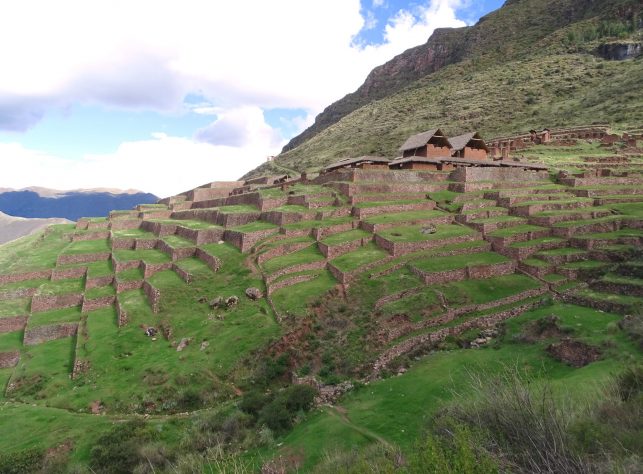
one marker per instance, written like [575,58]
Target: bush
[253,402]
[276,416]
[300,398]
[118,450]
[25,461]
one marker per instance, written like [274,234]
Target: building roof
[415,159]
[421,139]
[459,142]
[354,161]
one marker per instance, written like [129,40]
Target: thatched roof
[421,139]
[355,161]
[458,143]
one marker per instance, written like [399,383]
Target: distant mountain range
[72,205]
[12,227]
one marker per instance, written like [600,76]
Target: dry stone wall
[12,323]
[16,277]
[66,259]
[48,302]
[210,260]
[64,273]
[153,296]
[41,334]
[97,303]
[9,359]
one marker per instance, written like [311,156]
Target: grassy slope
[556,90]
[396,411]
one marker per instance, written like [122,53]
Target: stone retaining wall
[41,334]
[504,241]
[235,219]
[91,236]
[66,259]
[9,359]
[581,215]
[97,303]
[281,251]
[451,314]
[184,274]
[16,277]
[210,260]
[123,243]
[368,227]
[377,197]
[597,227]
[159,228]
[363,212]
[469,174]
[98,225]
[200,236]
[470,272]
[271,288]
[602,305]
[521,253]
[319,265]
[12,323]
[48,302]
[528,210]
[332,251]
[319,233]
[283,218]
[431,338]
[245,240]
[121,314]
[122,265]
[146,244]
[401,248]
[17,293]
[150,269]
[64,273]
[153,296]
[125,224]
[126,285]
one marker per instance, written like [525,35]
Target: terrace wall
[363,212]
[91,236]
[17,293]
[125,224]
[401,248]
[150,269]
[48,302]
[271,288]
[63,273]
[245,240]
[281,251]
[12,323]
[153,296]
[97,303]
[65,259]
[200,236]
[16,277]
[41,334]
[121,314]
[9,359]
[319,265]
[476,174]
[184,274]
[210,260]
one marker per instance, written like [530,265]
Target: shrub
[276,416]
[300,398]
[25,461]
[118,450]
[253,402]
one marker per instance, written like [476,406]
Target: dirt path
[342,414]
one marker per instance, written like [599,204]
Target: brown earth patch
[574,353]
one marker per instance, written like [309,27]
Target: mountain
[72,205]
[12,227]
[530,64]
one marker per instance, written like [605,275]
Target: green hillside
[359,320]
[531,64]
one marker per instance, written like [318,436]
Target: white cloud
[150,53]
[241,56]
[162,165]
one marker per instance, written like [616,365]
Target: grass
[35,252]
[562,251]
[66,315]
[317,223]
[441,264]
[60,287]
[405,216]
[149,256]
[254,227]
[15,307]
[534,262]
[415,234]
[535,242]
[295,299]
[306,255]
[553,278]
[194,266]
[487,289]
[610,297]
[132,234]
[99,269]
[395,410]
[584,265]
[364,255]
[348,236]
[178,242]
[498,219]
[132,274]
[10,341]
[369,204]
[99,292]
[237,209]
[87,246]
[625,232]
[519,229]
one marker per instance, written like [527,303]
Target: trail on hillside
[341,414]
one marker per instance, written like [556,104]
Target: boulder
[428,229]
[216,302]
[253,293]
[232,301]
[183,344]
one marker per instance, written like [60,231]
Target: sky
[163,96]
